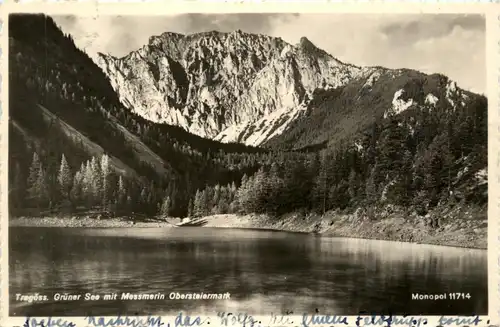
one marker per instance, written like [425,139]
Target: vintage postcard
[249,165]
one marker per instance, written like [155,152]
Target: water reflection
[264,271]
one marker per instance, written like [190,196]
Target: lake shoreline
[457,227]
[454,229]
[86,222]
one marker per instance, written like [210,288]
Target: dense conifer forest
[73,146]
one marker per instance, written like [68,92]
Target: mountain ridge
[230,81]
[47,70]
[340,113]
[235,86]
[389,138]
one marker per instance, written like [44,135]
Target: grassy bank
[458,226]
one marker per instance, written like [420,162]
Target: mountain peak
[166,38]
[172,36]
[104,56]
[308,47]
[305,43]
[229,86]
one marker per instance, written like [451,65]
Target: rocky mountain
[339,114]
[249,88]
[232,87]
[62,104]
[344,137]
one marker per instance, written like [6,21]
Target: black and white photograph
[266,163]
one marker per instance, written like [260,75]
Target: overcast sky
[446,43]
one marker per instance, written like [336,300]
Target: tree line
[408,162]
[420,158]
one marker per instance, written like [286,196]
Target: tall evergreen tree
[121,193]
[354,184]
[87,180]
[216,199]
[190,208]
[319,192]
[372,186]
[166,206]
[96,183]
[65,179]
[392,145]
[77,196]
[207,196]
[106,183]
[36,182]
[198,206]
[406,178]
[143,197]
[225,199]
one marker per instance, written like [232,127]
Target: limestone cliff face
[249,88]
[232,87]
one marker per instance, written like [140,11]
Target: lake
[264,272]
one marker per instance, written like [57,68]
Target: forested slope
[72,144]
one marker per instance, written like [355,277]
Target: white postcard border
[93,8]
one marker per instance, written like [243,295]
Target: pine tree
[224,200]
[36,182]
[232,190]
[319,193]
[272,189]
[151,200]
[42,186]
[166,206]
[144,196]
[371,187]
[206,201]
[106,186]
[121,193]
[407,178]
[258,191]
[216,199]
[87,184]
[241,195]
[190,212]
[297,185]
[76,190]
[246,194]
[340,196]
[198,205]
[64,179]
[392,146]
[128,203]
[353,184]
[96,188]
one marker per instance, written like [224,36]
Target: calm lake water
[265,272]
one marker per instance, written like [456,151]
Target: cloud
[416,28]
[459,54]
[454,45]
[451,44]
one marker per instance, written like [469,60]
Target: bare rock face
[249,88]
[232,87]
